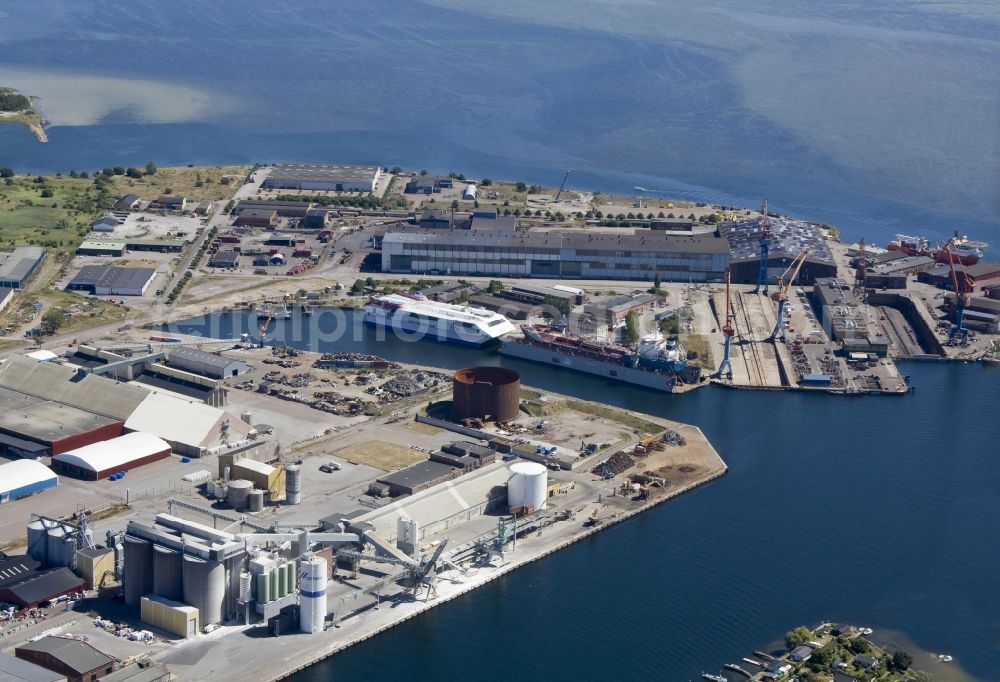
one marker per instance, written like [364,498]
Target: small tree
[495,286]
[6,172]
[657,282]
[54,318]
[901,660]
[797,637]
[150,168]
[632,327]
[485,182]
[520,187]
[358,286]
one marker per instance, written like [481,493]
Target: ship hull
[431,332]
[607,370]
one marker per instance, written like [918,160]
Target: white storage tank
[255,501]
[247,417]
[245,581]
[293,484]
[312,594]
[527,485]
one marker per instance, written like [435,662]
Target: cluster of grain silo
[54,544]
[175,562]
[486,393]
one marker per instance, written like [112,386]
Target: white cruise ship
[415,316]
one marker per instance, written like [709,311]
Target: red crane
[962,284]
[861,272]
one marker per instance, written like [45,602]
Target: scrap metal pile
[615,464]
[671,437]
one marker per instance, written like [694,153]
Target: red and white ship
[963,250]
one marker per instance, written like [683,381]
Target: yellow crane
[785,282]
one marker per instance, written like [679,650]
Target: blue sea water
[877,117]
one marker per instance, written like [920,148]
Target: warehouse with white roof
[24,477]
[191,428]
[99,460]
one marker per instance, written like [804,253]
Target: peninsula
[18,108]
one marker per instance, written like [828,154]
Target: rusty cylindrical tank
[486,392]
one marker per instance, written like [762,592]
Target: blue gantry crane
[765,249]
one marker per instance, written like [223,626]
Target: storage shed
[77,660]
[264,476]
[93,462]
[24,477]
[206,364]
[174,617]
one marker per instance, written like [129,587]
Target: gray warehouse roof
[112,276]
[200,356]
[20,262]
[13,669]
[647,241]
[77,655]
[45,585]
[65,385]
[419,473]
[45,420]
[318,172]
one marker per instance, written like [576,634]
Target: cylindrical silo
[55,546]
[70,545]
[38,542]
[167,573]
[238,492]
[312,594]
[293,484]
[205,588]
[247,417]
[292,577]
[263,587]
[138,578]
[274,585]
[527,485]
[486,392]
[245,581]
[255,501]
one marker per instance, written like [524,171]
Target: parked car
[330,467]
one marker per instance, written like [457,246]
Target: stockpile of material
[617,463]
[671,437]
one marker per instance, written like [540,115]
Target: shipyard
[221,429]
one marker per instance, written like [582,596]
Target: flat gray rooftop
[44,420]
[418,474]
[318,172]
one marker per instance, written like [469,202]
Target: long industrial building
[24,477]
[99,460]
[19,265]
[629,255]
[789,238]
[323,177]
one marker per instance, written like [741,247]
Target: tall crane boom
[561,187]
[728,330]
[962,286]
[765,248]
[781,296]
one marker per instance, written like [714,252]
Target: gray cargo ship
[550,346]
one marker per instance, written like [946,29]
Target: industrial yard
[458,484]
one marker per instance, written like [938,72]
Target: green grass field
[57,222]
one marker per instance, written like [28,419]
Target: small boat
[865,631]
[945,658]
[714,678]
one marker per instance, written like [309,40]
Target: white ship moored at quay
[415,316]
